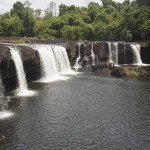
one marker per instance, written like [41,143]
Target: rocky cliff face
[31,59]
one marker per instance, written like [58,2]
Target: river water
[86,112]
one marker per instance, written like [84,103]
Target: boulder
[118,71]
[100,65]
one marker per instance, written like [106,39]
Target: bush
[131,72]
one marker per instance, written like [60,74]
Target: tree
[50,11]
[18,9]
[62,9]
[126,2]
[67,32]
[38,13]
[8,26]
[93,10]
[144,30]
[88,31]
[143,2]
[108,2]
[28,25]
[103,17]
[29,20]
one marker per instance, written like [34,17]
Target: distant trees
[143,2]
[127,21]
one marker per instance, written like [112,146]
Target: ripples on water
[84,112]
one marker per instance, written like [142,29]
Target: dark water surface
[85,112]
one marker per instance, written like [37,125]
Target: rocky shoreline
[119,71]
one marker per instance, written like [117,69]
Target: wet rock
[145,54]
[100,65]
[31,65]
[103,71]
[118,71]
[143,72]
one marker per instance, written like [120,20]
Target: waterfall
[110,53]
[78,60]
[22,83]
[3,104]
[62,61]
[54,61]
[93,55]
[113,53]
[136,54]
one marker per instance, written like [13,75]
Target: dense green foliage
[112,21]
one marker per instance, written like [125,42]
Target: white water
[78,60]
[62,61]
[54,62]
[3,104]
[116,54]
[110,53]
[22,83]
[136,54]
[93,56]
[113,53]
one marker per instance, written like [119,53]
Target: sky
[6,5]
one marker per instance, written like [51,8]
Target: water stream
[93,56]
[78,60]
[113,53]
[22,89]
[4,113]
[136,54]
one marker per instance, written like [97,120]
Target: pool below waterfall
[84,112]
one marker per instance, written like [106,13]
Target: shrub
[131,72]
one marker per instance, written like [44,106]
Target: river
[85,112]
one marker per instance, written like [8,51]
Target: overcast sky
[6,5]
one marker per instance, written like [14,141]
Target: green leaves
[112,21]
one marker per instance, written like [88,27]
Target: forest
[111,21]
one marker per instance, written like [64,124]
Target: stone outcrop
[31,60]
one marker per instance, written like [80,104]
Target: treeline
[127,21]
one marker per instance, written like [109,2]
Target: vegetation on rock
[131,72]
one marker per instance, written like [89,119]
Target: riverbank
[121,71]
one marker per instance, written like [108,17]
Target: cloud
[6,5]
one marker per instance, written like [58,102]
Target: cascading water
[54,61]
[1,96]
[110,53]
[3,104]
[113,53]
[136,54]
[93,56]
[22,83]
[62,61]
[78,60]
